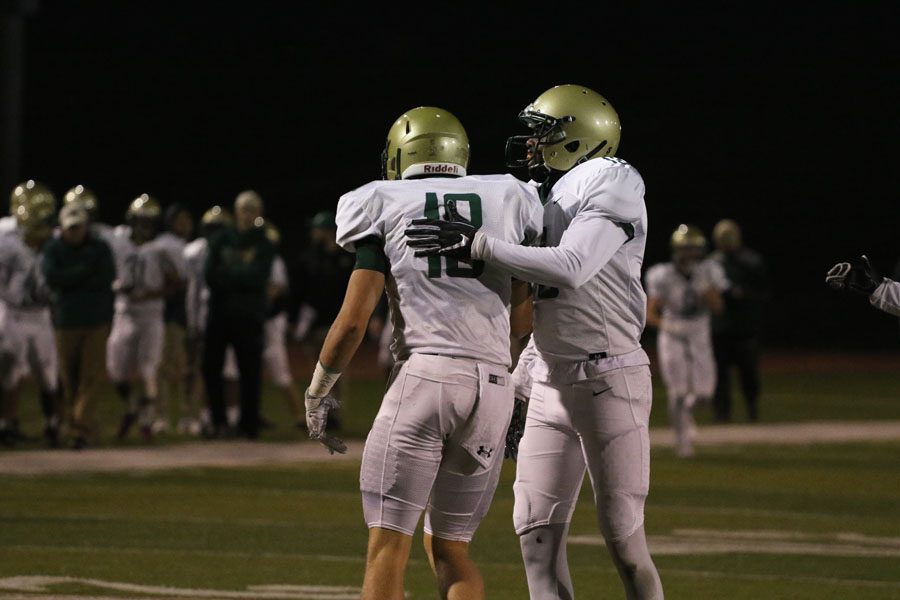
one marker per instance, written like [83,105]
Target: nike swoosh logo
[602,391]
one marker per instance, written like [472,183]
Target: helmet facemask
[526,151]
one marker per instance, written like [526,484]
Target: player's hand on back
[317,410]
[436,237]
[857,276]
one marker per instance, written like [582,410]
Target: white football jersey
[140,268]
[197,296]
[8,224]
[173,251]
[108,234]
[681,297]
[439,305]
[603,317]
[22,283]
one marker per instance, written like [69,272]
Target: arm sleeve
[886,297]
[586,246]
[370,255]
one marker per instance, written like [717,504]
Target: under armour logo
[485,452]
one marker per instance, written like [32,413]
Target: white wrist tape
[322,381]
[479,242]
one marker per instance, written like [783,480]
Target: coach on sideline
[237,272]
[79,269]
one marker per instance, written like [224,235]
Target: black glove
[435,237]
[856,276]
[516,429]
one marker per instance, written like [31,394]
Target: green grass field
[737,522]
[786,398]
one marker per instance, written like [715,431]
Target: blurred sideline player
[736,330]
[144,274]
[27,323]
[275,354]
[436,444]
[591,390]
[197,307]
[857,276]
[681,294]
[179,226]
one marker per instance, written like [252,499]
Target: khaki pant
[82,361]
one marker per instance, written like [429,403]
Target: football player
[681,295]
[437,442]
[179,226]
[197,306]
[28,324]
[144,276]
[591,392]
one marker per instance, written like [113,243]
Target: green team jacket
[81,279]
[237,272]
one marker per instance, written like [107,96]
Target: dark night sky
[782,118]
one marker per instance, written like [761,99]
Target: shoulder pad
[609,185]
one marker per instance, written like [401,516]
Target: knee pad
[535,510]
[620,515]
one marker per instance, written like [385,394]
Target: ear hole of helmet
[573,145]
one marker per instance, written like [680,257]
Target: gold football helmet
[216,216]
[425,141]
[35,219]
[570,124]
[144,206]
[31,193]
[687,236]
[83,196]
[215,219]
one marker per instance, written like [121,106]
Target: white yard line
[40,583]
[699,542]
[249,454]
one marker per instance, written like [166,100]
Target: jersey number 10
[454,268]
